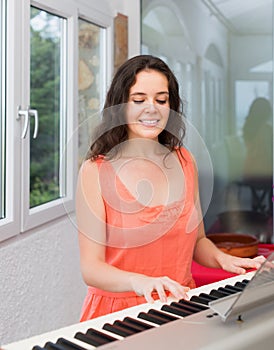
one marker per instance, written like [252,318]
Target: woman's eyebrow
[143,94]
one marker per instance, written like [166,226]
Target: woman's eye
[138,101]
[162,102]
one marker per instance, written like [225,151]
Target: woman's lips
[149,122]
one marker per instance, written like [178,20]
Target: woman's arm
[207,254]
[92,235]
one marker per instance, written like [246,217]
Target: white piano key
[97,323]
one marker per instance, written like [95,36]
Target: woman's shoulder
[89,167]
[87,163]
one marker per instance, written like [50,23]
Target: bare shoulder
[88,177]
[88,191]
[89,166]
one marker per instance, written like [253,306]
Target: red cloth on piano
[206,275]
[167,253]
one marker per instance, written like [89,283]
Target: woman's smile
[149,122]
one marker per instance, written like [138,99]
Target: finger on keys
[254,263]
[181,293]
[148,296]
[260,259]
[161,293]
[175,288]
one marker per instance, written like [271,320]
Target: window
[39,94]
[46,115]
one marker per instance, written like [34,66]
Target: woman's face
[148,105]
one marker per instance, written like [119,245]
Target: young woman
[138,211]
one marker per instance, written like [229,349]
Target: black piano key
[207,296]
[225,291]
[133,321]
[228,287]
[176,310]
[152,318]
[126,325]
[245,281]
[68,345]
[51,346]
[106,338]
[193,304]
[190,309]
[240,285]
[122,331]
[94,337]
[237,289]
[229,291]
[199,300]
[218,293]
[163,315]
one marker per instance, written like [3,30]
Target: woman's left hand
[238,265]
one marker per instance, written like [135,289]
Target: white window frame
[18,217]
[33,217]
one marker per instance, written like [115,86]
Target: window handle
[34,113]
[27,113]
[23,113]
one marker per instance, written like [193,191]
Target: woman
[258,165]
[138,208]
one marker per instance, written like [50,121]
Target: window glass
[91,80]
[48,98]
[229,97]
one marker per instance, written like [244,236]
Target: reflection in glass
[258,163]
[47,97]
[91,81]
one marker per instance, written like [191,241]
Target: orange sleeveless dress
[168,251]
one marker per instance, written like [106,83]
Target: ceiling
[243,17]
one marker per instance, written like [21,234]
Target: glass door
[231,100]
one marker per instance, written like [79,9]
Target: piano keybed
[133,321]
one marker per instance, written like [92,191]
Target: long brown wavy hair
[112,129]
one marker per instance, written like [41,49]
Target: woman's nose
[150,107]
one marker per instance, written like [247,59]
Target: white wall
[41,283]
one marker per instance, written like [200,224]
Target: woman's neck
[140,147]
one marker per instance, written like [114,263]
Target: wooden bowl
[237,244]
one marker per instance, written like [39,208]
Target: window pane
[232,88]
[91,81]
[48,98]
[2,111]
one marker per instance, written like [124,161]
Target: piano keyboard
[114,330]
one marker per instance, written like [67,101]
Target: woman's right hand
[144,285]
